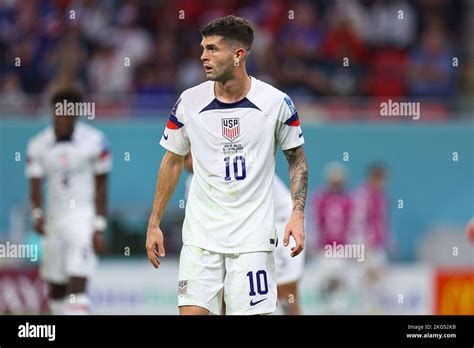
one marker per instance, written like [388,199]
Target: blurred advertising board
[454,291]
[22,291]
[135,287]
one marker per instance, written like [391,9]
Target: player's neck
[234,89]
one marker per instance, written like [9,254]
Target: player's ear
[239,53]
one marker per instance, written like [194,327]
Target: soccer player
[370,226]
[289,270]
[370,216]
[332,209]
[74,159]
[232,124]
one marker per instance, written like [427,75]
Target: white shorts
[246,281]
[288,269]
[333,268]
[375,258]
[68,254]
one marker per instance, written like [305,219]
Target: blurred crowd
[142,54]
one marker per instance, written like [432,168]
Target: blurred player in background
[73,159]
[370,218]
[289,270]
[333,209]
[370,227]
[232,124]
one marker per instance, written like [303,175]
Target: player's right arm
[35,199]
[168,177]
[35,171]
[176,142]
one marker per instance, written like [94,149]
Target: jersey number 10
[237,175]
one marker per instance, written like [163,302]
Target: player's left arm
[298,170]
[100,209]
[102,166]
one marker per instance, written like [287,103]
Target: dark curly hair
[231,28]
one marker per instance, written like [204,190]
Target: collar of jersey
[230,105]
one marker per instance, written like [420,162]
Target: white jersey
[230,205]
[69,168]
[281,199]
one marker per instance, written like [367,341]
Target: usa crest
[230,128]
[182,287]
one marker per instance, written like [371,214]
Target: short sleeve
[103,162]
[174,137]
[34,166]
[288,131]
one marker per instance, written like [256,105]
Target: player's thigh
[57,291]
[193,310]
[201,279]
[250,283]
[52,267]
[77,285]
[81,260]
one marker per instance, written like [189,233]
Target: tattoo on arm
[298,167]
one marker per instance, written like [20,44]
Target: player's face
[337,184]
[217,58]
[378,179]
[63,126]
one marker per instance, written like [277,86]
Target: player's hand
[98,242]
[154,244]
[39,225]
[295,228]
